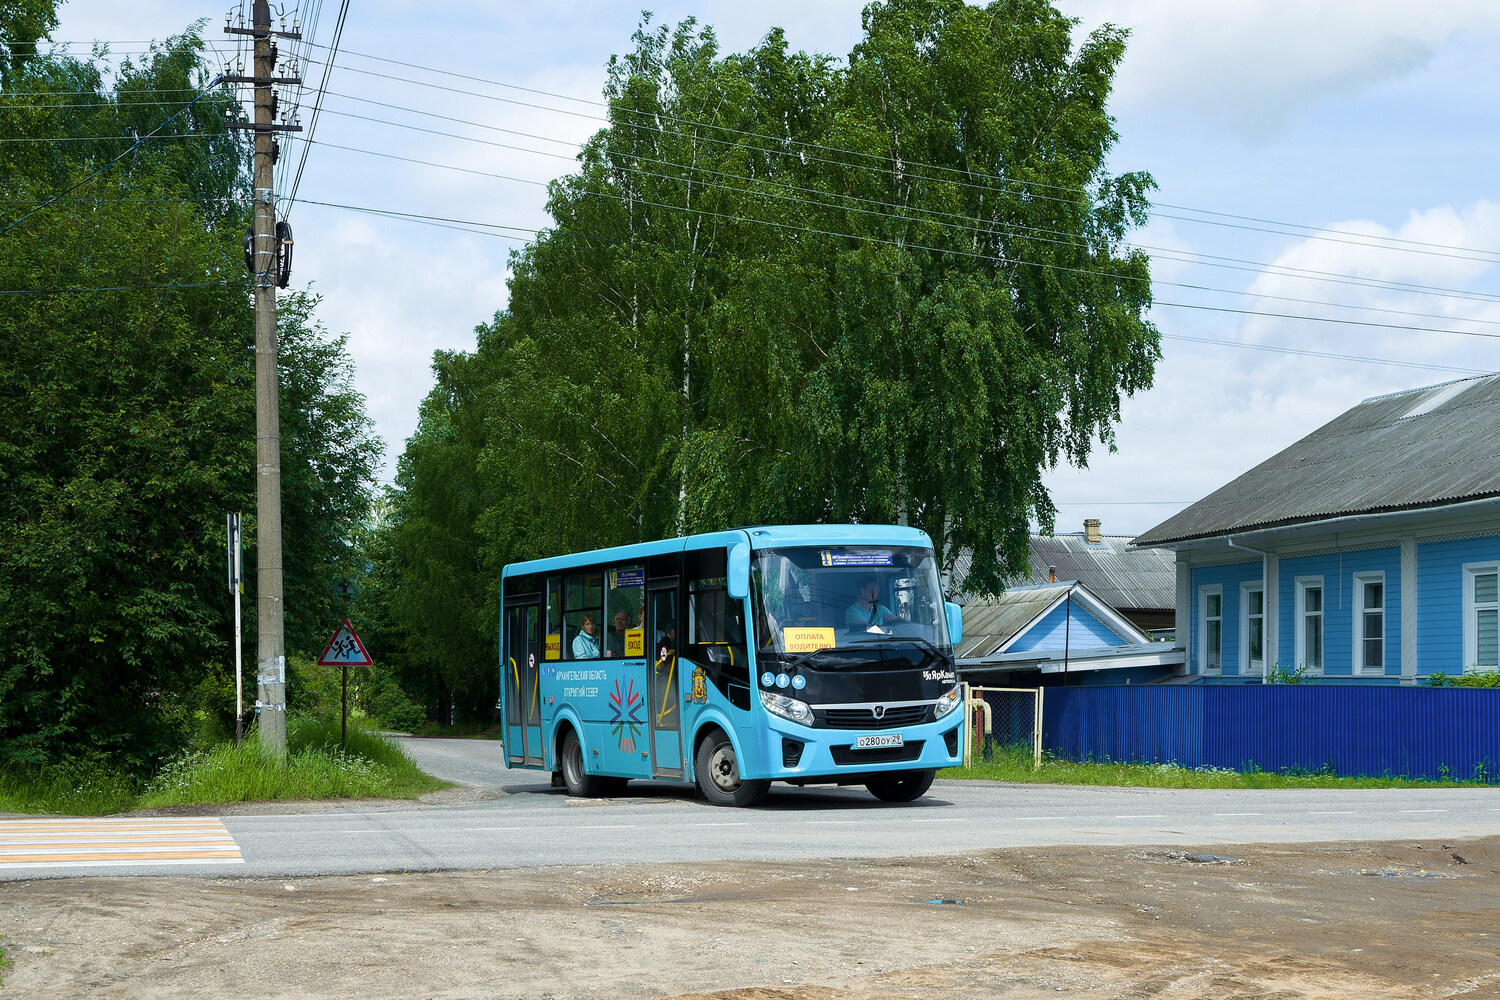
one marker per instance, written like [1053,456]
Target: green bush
[1473,679]
[404,717]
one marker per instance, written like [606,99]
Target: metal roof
[1408,450]
[991,622]
[1124,577]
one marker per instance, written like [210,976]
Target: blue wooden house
[1367,552]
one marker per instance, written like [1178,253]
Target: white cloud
[1459,247]
[1255,65]
[1217,411]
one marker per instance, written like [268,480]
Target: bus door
[665,681]
[523,706]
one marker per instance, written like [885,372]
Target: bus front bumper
[786,751]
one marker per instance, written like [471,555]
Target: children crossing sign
[345,650]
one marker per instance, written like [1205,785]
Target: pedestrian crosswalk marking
[86,843]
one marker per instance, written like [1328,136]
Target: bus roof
[759,536]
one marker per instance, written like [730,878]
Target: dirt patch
[1369,921]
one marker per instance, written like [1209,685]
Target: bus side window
[583,616]
[716,625]
[552,640]
[625,612]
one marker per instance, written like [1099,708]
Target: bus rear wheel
[575,779]
[719,774]
[900,786]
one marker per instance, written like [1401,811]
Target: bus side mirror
[739,571]
[955,623]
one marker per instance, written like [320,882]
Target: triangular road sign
[345,650]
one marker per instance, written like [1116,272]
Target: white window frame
[1304,583]
[1471,609]
[1358,632]
[1204,592]
[1246,589]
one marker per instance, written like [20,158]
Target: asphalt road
[527,823]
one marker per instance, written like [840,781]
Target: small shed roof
[992,622]
[1408,450]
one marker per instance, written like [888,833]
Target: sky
[1323,160]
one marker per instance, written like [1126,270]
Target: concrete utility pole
[266,266]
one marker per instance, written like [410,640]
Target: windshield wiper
[937,653]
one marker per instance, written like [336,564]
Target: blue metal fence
[1352,730]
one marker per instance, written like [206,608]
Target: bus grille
[863,718]
[846,755]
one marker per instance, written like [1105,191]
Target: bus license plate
[877,742]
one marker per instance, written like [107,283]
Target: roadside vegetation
[460,730]
[316,767]
[1470,679]
[1017,764]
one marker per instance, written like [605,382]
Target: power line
[914,246]
[1209,260]
[206,91]
[90,93]
[312,125]
[1333,235]
[114,138]
[105,102]
[1120,503]
[116,288]
[983,230]
[1323,354]
[1315,232]
[819,204]
[1325,319]
[480,228]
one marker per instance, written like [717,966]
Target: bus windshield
[846,597]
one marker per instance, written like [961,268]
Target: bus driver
[867,611]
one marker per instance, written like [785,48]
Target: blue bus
[810,654]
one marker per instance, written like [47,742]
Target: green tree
[126,417]
[781,288]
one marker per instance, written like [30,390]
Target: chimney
[1051,574]
[1091,530]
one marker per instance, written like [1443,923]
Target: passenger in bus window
[586,642]
[867,611]
[614,642]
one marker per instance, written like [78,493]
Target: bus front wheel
[719,774]
[900,786]
[578,781]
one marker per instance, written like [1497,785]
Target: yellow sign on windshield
[806,640]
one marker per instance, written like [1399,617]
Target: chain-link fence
[1003,721]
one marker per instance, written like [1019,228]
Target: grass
[1016,764]
[462,730]
[73,788]
[316,767]
[5,962]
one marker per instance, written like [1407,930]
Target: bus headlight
[949,702]
[787,708]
